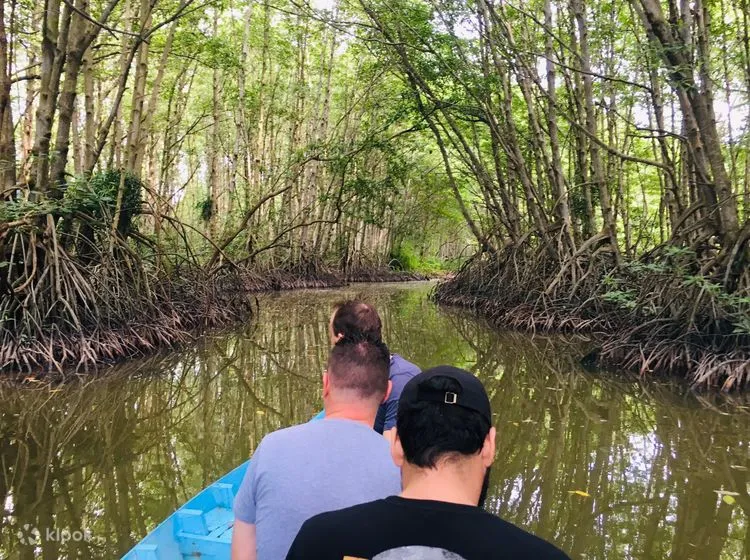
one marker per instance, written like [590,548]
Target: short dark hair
[361,364]
[430,431]
[356,318]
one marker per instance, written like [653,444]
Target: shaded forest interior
[584,165]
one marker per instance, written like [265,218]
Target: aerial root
[657,315]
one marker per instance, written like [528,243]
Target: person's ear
[488,449]
[331,335]
[326,383]
[388,390]
[397,451]
[334,337]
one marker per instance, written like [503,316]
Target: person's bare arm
[243,541]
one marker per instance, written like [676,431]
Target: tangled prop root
[660,314]
[59,313]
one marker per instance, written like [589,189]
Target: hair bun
[360,337]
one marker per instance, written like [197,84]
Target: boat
[201,528]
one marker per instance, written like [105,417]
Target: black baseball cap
[470,395]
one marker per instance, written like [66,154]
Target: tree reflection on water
[604,466]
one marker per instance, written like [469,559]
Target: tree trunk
[146,129]
[77,141]
[7,140]
[557,179]
[714,189]
[88,104]
[585,208]
[214,141]
[745,10]
[135,143]
[80,37]
[599,182]
[54,47]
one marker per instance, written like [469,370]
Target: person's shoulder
[398,362]
[523,542]
[325,430]
[402,371]
[367,439]
[325,534]
[342,519]
[403,367]
[290,435]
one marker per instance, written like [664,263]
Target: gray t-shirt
[309,469]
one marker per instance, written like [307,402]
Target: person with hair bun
[357,318]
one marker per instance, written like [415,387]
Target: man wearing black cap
[444,445]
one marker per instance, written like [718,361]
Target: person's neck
[349,411]
[446,483]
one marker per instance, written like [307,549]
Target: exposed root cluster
[69,302]
[61,312]
[661,314]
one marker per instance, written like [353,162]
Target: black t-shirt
[399,529]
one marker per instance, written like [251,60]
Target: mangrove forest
[562,165]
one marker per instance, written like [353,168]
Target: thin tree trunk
[77,141]
[581,163]
[27,132]
[7,139]
[146,129]
[128,50]
[608,218]
[89,107]
[557,179]
[745,10]
[214,142]
[81,35]
[135,143]
[115,111]
[54,47]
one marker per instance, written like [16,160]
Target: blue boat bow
[202,528]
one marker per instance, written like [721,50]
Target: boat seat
[192,522]
[146,552]
[215,536]
[202,528]
[223,494]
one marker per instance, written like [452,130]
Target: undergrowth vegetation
[76,290]
[658,314]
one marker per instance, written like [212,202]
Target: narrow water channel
[603,466]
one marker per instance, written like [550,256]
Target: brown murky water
[600,464]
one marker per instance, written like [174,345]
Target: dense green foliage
[98,198]
[570,145]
